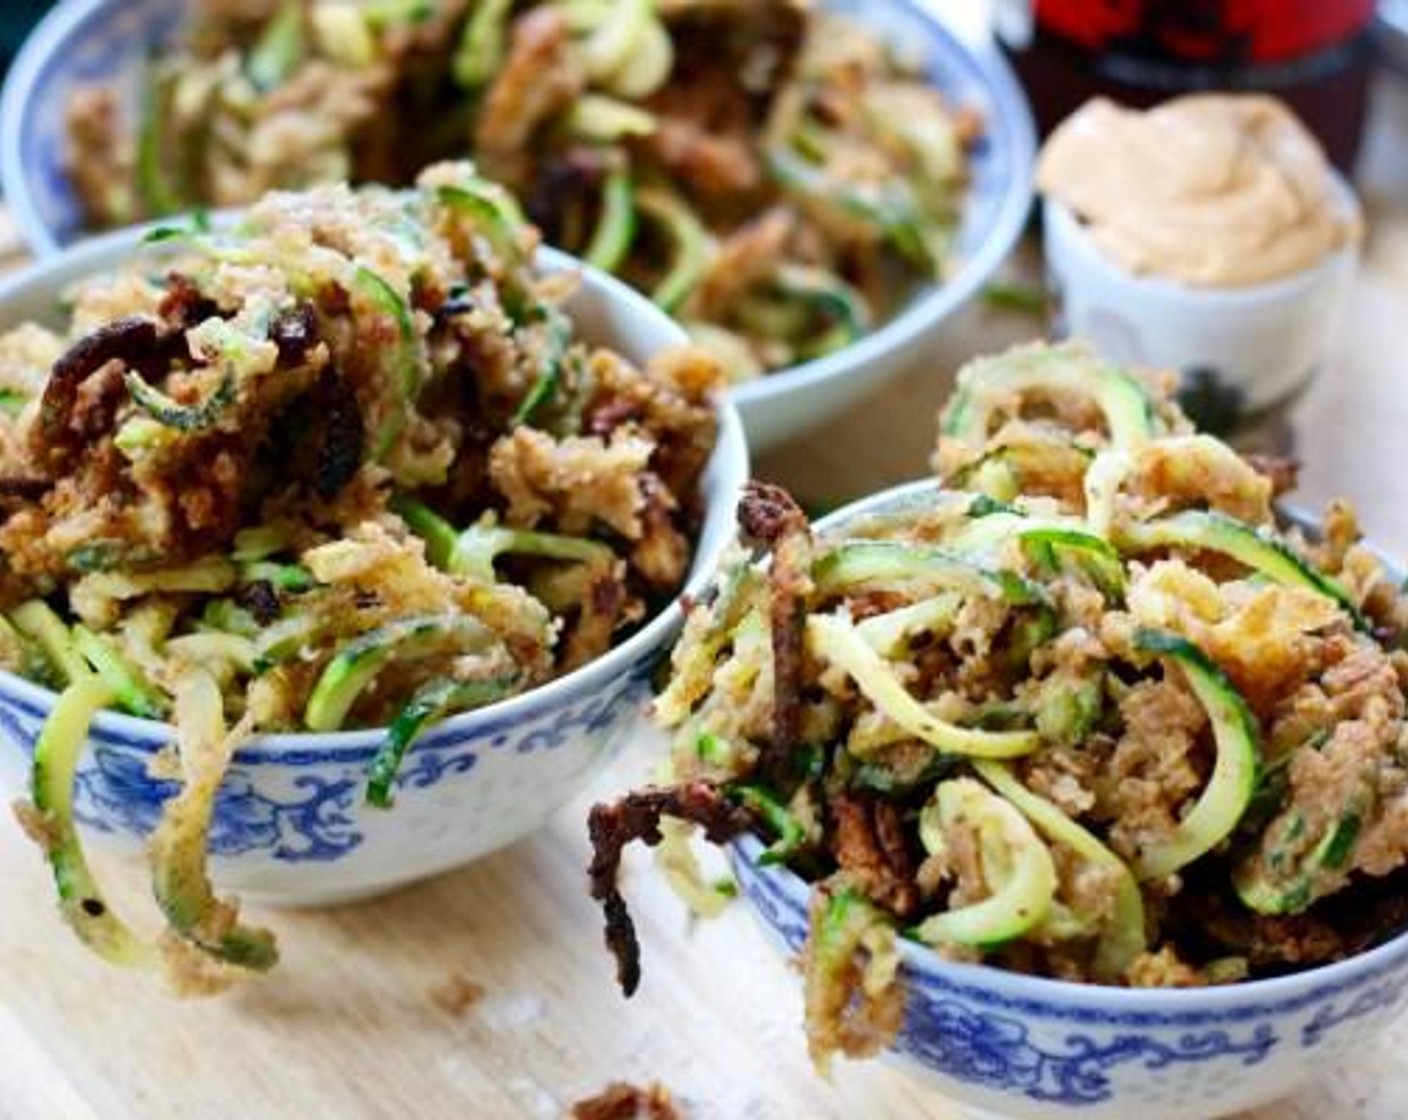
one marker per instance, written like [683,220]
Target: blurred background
[1067,49]
[1341,64]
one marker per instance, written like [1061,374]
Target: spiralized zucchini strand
[1017,865]
[1235,771]
[834,638]
[180,876]
[1123,938]
[55,765]
[887,633]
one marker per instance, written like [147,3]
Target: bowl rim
[985,979]
[1054,996]
[991,69]
[43,40]
[1060,225]
[729,461]
[895,334]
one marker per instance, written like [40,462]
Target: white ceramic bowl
[290,824]
[86,41]
[1026,1046]
[1260,342]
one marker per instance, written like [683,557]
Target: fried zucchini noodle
[1087,710]
[342,465]
[773,174]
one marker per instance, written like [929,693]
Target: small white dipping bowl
[1025,1046]
[291,826]
[1261,342]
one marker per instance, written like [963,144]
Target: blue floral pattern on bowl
[1030,1047]
[300,804]
[468,787]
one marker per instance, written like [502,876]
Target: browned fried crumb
[768,513]
[131,341]
[1156,763]
[34,823]
[623,1101]
[537,79]
[637,817]
[769,516]
[1163,969]
[847,1012]
[457,995]
[1282,470]
[870,847]
[190,973]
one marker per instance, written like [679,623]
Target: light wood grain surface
[362,1019]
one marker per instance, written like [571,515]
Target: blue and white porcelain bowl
[290,825]
[106,41]
[1024,1046]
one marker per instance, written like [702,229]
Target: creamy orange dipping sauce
[1214,190]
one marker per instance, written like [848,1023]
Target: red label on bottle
[1207,31]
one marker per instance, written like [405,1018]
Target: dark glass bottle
[17,17]
[1315,54]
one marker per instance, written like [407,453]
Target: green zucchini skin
[791,837]
[1070,709]
[280,48]
[180,874]
[184,418]
[430,703]
[52,773]
[158,193]
[38,621]
[495,217]
[1127,408]
[1044,540]
[183,892]
[293,578]
[557,330]
[854,563]
[836,639]
[481,48]
[474,551]
[1096,556]
[831,297]
[354,666]
[1237,769]
[688,238]
[616,229]
[1261,882]
[406,358]
[1123,937]
[438,534]
[1247,544]
[1025,887]
[891,208]
[12,402]
[129,687]
[1002,472]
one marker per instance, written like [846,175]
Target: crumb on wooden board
[623,1101]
